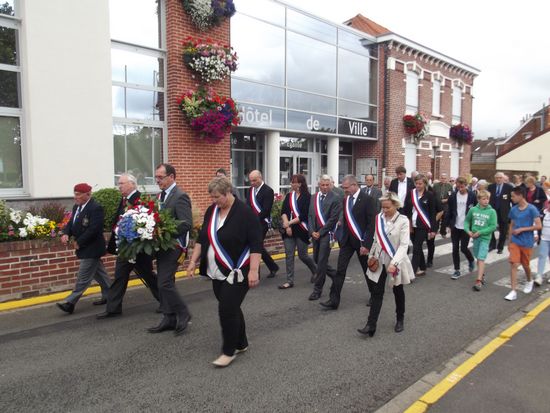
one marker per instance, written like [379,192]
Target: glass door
[294,163]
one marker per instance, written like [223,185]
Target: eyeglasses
[160,178]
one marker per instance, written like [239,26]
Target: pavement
[300,359]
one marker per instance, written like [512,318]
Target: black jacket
[111,246]
[539,199]
[428,201]
[240,229]
[364,211]
[303,207]
[505,200]
[394,187]
[87,230]
[450,216]
[264,197]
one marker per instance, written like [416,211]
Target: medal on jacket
[295,210]
[382,236]
[221,254]
[420,209]
[350,219]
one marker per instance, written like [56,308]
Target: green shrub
[276,221]
[4,214]
[54,211]
[109,199]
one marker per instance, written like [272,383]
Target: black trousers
[321,254]
[503,233]
[377,294]
[230,298]
[431,249]
[143,268]
[170,301]
[441,224]
[460,239]
[418,261]
[346,252]
[266,257]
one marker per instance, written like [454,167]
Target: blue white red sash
[295,210]
[318,210]
[350,219]
[382,236]
[254,203]
[420,209]
[221,254]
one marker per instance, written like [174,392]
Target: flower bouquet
[461,132]
[209,115]
[416,126]
[145,228]
[210,60]
[207,13]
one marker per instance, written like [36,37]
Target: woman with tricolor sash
[389,253]
[229,247]
[294,215]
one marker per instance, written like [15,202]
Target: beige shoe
[223,361]
[240,350]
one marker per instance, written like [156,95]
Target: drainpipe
[386,106]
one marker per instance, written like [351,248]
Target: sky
[507,40]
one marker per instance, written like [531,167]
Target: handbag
[372,263]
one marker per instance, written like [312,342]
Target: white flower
[15,216]
[22,232]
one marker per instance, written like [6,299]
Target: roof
[523,142]
[366,25]
[484,151]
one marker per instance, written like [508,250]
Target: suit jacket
[87,230]
[303,207]
[179,204]
[376,193]
[264,197]
[504,198]
[394,187]
[428,201]
[364,212]
[111,246]
[539,198]
[452,212]
[331,209]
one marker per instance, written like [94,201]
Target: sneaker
[538,280]
[471,266]
[477,285]
[456,275]
[528,287]
[511,296]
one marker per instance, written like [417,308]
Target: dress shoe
[67,307]
[223,361]
[314,296]
[181,324]
[167,323]
[429,264]
[399,326]
[101,301]
[158,310]
[272,274]
[329,305]
[369,302]
[367,330]
[106,314]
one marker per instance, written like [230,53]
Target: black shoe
[313,278]
[181,325]
[369,303]
[399,326]
[158,310]
[67,307]
[499,251]
[314,296]
[273,273]
[329,305]
[367,330]
[106,314]
[167,323]
[101,301]
[429,264]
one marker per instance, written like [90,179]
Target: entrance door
[295,163]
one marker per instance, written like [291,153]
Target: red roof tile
[366,25]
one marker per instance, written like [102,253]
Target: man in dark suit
[176,315]
[143,265]
[260,199]
[324,211]
[501,194]
[372,190]
[86,229]
[402,186]
[356,237]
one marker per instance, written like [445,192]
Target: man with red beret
[86,230]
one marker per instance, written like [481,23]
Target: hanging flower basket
[462,132]
[416,126]
[211,61]
[209,115]
[208,13]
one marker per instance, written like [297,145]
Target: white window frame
[457,104]
[436,97]
[411,92]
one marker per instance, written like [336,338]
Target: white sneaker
[538,280]
[511,296]
[528,287]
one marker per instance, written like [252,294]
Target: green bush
[109,199]
[276,214]
[4,214]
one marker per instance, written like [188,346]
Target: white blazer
[398,233]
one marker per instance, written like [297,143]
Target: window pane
[354,42]
[308,25]
[242,141]
[373,93]
[356,110]
[261,116]
[138,104]
[311,103]
[261,49]
[412,90]
[457,102]
[243,91]
[136,21]
[311,123]
[265,10]
[436,97]
[9,85]
[136,68]
[119,139]
[10,153]
[353,76]
[8,46]
[7,7]
[311,65]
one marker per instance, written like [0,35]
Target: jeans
[544,254]
[291,244]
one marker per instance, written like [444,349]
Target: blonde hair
[530,180]
[393,198]
[483,194]
[221,184]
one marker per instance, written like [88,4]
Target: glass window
[9,89]
[243,91]
[311,65]
[308,25]
[246,155]
[7,7]
[261,116]
[412,92]
[135,68]
[265,10]
[311,103]
[8,46]
[356,110]
[457,104]
[138,104]
[10,153]
[353,76]
[373,95]
[436,100]
[355,43]
[310,123]
[261,49]
[136,21]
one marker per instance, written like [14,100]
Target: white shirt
[79,210]
[212,269]
[256,190]
[402,190]
[355,195]
[168,190]
[461,201]
[545,236]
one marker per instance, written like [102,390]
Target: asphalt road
[300,359]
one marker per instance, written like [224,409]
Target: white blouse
[212,269]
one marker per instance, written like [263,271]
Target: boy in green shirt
[480,223]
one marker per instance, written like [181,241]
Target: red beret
[82,188]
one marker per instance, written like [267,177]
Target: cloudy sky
[507,40]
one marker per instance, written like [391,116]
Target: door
[295,163]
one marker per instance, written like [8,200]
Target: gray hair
[131,178]
[325,177]
[221,184]
[351,179]
[393,198]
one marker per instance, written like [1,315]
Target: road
[300,359]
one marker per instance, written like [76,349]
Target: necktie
[368,191]
[162,196]
[77,213]
[499,188]
[322,197]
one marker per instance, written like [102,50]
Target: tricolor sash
[221,254]
[254,203]
[318,210]
[295,210]
[350,219]
[382,236]
[420,209]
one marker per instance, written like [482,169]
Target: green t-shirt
[482,220]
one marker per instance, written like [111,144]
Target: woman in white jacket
[389,251]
